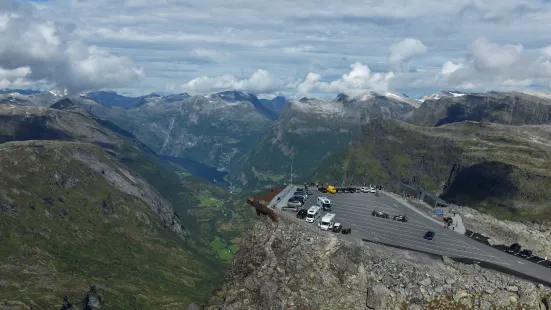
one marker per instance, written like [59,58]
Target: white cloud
[403,51]
[261,81]
[491,66]
[44,51]
[311,82]
[546,51]
[297,50]
[359,80]
[176,41]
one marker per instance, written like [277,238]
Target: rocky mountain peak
[236,96]
[63,104]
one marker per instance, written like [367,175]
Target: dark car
[429,235]
[322,189]
[401,218]
[298,198]
[302,214]
[351,189]
[304,191]
[514,248]
[303,194]
[337,228]
[379,214]
[525,253]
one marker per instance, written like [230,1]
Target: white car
[364,189]
[372,190]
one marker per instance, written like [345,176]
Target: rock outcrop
[291,267]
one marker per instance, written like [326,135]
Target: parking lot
[354,210]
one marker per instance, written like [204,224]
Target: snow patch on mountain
[59,92]
[442,94]
[320,107]
[542,95]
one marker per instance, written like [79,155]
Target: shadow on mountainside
[483,182]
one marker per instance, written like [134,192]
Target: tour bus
[313,213]
[327,221]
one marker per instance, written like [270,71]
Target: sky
[315,48]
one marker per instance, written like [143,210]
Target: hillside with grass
[83,202]
[307,131]
[499,165]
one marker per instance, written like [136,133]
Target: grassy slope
[56,248]
[137,262]
[514,162]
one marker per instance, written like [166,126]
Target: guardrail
[484,240]
[469,261]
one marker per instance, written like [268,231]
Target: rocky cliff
[294,267]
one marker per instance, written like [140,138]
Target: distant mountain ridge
[308,130]
[276,104]
[510,108]
[231,130]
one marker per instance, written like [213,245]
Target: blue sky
[296,48]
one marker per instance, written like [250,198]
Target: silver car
[293,204]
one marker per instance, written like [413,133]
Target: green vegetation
[267,164]
[66,236]
[225,252]
[502,167]
[64,226]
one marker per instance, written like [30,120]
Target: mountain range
[246,136]
[100,189]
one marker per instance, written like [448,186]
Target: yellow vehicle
[331,189]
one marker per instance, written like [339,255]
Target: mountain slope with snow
[508,108]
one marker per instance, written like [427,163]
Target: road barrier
[469,261]
[484,240]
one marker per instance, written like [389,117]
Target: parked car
[301,194]
[364,189]
[401,218]
[379,214]
[322,189]
[292,203]
[525,253]
[429,235]
[514,248]
[372,190]
[302,214]
[337,227]
[304,191]
[299,198]
[351,189]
